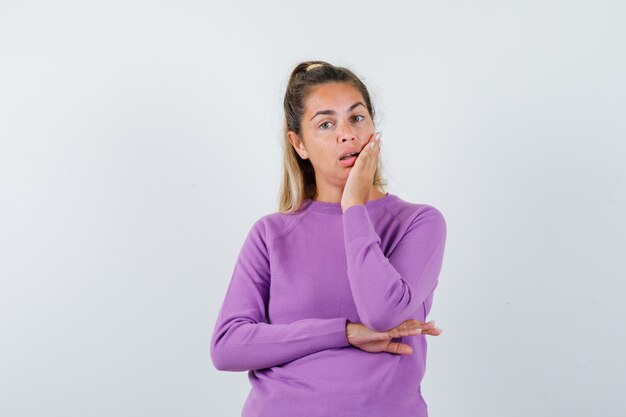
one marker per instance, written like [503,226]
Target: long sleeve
[388,291]
[243,339]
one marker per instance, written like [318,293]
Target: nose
[346,133]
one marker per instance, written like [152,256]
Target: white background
[139,141]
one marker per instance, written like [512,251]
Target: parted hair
[298,179]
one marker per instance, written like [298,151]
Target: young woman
[327,303]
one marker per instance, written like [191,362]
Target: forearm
[239,345]
[383,297]
[388,291]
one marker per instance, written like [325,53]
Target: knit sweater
[300,278]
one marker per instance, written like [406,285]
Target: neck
[335,197]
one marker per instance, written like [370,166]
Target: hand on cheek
[361,175]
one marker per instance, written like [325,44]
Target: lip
[348,162]
[349,151]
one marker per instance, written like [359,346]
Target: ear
[297,144]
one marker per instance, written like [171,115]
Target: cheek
[367,126]
[326,159]
[320,135]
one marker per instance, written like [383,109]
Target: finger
[368,145]
[374,136]
[399,348]
[420,324]
[433,332]
[428,325]
[371,155]
[406,329]
[373,141]
[367,148]
[375,152]
[378,140]
[410,324]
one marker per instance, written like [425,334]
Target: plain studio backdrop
[141,139]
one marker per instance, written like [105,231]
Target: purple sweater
[299,278]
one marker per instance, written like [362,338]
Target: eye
[358,115]
[323,125]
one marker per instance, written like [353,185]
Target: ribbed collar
[335,208]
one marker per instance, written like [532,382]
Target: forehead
[332,96]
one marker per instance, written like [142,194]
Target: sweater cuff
[337,336]
[357,223]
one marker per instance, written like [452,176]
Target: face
[335,121]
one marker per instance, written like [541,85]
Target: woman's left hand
[361,175]
[368,340]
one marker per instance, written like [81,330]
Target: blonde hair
[298,179]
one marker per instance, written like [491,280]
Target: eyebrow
[333,112]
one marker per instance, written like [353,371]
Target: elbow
[391,315]
[220,357]
[382,320]
[227,354]
[379,325]
[216,357]
[383,324]
[379,322]
[375,326]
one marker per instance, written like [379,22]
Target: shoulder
[413,214]
[272,225]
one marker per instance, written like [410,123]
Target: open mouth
[348,156]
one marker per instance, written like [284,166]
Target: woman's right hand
[369,340]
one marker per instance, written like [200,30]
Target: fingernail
[379,135]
